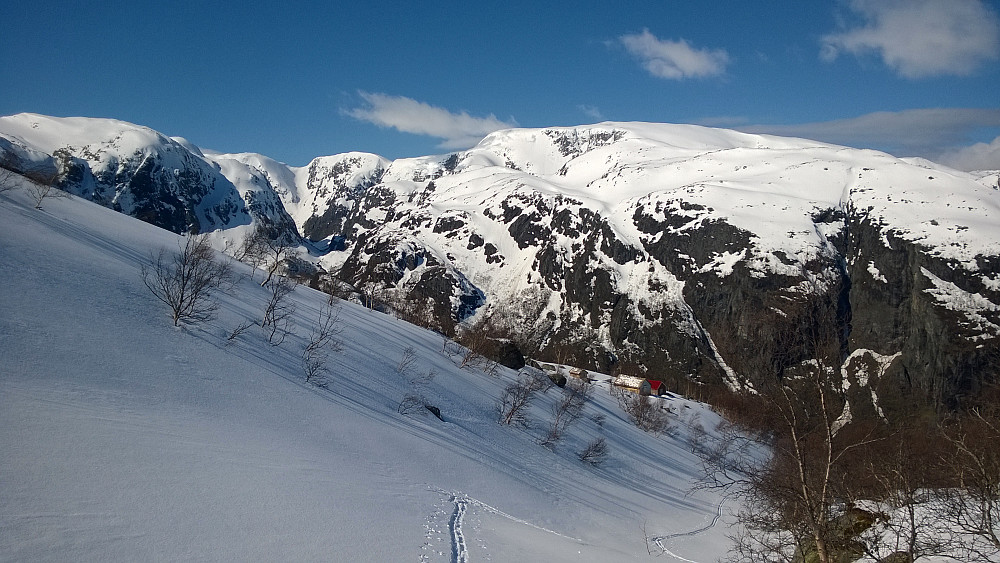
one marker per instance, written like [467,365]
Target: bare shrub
[406,360]
[475,339]
[40,191]
[327,330]
[42,184]
[266,246]
[974,507]
[239,329]
[249,251]
[645,412]
[542,378]
[315,368]
[490,367]
[278,311]
[423,379]
[449,347]
[566,411]
[470,351]
[697,436]
[471,359]
[412,403]
[7,181]
[185,281]
[512,406]
[8,177]
[323,339]
[595,453]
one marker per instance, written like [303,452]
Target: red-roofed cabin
[657,388]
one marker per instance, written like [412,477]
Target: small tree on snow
[324,338]
[41,184]
[278,311]
[39,191]
[645,413]
[185,281]
[406,361]
[8,178]
[265,246]
[512,407]
[595,453]
[566,411]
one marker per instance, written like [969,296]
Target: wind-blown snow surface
[124,438]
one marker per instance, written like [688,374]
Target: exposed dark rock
[942,356]
[448,224]
[505,352]
[331,184]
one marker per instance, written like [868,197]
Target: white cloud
[457,130]
[674,60]
[920,38]
[908,127]
[592,112]
[930,133]
[980,156]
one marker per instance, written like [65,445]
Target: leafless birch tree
[185,281]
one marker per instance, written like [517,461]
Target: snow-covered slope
[125,438]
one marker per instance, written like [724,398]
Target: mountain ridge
[685,251]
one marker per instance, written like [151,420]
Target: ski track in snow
[459,550]
[658,540]
[499,512]
[675,556]
[459,546]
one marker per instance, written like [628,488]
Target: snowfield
[124,438]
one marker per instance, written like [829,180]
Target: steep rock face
[941,315]
[338,194]
[421,282]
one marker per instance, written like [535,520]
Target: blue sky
[295,80]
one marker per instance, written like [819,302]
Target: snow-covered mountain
[702,251]
[686,251]
[125,438]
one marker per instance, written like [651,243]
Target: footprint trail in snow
[459,550]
